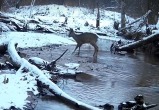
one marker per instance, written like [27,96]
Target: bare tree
[153,5]
[18,4]
[1,4]
[79,3]
[98,17]
[123,9]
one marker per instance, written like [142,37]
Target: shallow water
[118,78]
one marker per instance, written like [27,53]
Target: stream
[121,78]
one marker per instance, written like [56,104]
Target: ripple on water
[127,77]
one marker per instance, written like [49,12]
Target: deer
[83,38]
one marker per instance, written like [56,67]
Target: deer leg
[95,48]
[95,52]
[75,49]
[79,48]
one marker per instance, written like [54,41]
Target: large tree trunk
[153,5]
[1,3]
[123,8]
[98,17]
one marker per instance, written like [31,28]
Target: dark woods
[134,8]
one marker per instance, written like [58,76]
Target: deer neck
[74,35]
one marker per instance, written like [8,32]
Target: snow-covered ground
[14,93]
[19,84]
[77,17]
[29,39]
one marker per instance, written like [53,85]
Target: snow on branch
[52,87]
[13,53]
[139,43]
[137,20]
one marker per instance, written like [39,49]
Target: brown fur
[85,38]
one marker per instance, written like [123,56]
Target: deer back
[84,37]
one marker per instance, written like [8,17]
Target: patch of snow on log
[72,65]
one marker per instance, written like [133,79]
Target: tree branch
[52,87]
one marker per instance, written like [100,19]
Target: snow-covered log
[52,87]
[60,71]
[139,43]
[17,23]
[38,62]
[42,64]
[137,20]
[44,28]
[11,21]
[16,59]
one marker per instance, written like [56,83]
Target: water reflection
[50,102]
[118,79]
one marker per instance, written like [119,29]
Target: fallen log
[52,87]
[16,22]
[42,64]
[59,71]
[46,29]
[13,22]
[137,20]
[38,62]
[139,43]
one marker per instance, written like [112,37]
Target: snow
[69,68]
[145,39]
[16,88]
[53,86]
[12,48]
[37,60]
[72,65]
[20,83]
[66,71]
[77,17]
[29,39]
